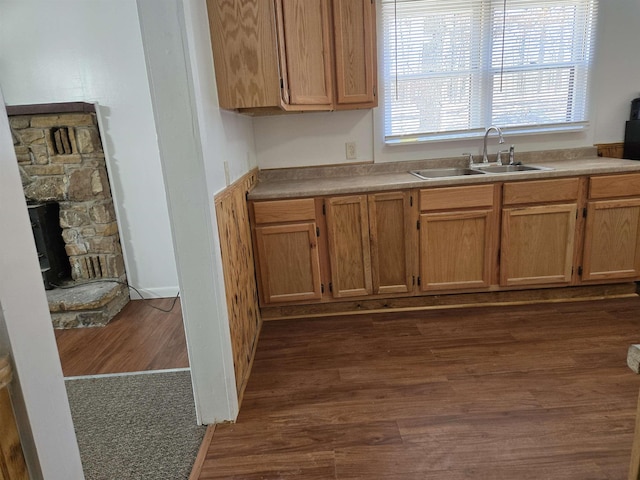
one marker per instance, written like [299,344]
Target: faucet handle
[470,155]
[512,154]
[498,156]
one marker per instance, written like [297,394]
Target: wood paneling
[539,191]
[244,43]
[615,186]
[239,274]
[349,249]
[12,463]
[529,393]
[612,240]
[450,198]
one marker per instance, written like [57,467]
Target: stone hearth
[61,160]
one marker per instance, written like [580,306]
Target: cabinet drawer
[284,210]
[451,198]
[613,186]
[537,191]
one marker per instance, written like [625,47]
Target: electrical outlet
[350,150]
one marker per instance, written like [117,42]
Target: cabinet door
[391,242]
[455,250]
[355,52]
[537,245]
[349,253]
[305,48]
[289,262]
[611,247]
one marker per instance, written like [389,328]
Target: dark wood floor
[139,338]
[502,393]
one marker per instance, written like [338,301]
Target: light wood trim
[612,252]
[615,186]
[355,51]
[278,211]
[243,40]
[610,150]
[314,263]
[196,470]
[377,250]
[336,245]
[506,242]
[541,191]
[452,198]
[485,254]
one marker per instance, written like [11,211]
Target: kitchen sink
[429,173]
[509,168]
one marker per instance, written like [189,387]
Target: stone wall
[61,159]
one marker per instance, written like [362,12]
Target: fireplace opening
[47,233]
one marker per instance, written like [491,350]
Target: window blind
[454,68]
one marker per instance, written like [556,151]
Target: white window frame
[484,118]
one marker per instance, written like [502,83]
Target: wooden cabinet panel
[541,191]
[243,40]
[451,198]
[349,252]
[305,28]
[288,262]
[455,250]
[537,245]
[615,186]
[391,229]
[611,246]
[274,211]
[355,52]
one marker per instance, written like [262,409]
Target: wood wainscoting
[239,274]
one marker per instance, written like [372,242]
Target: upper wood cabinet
[285,236]
[612,230]
[457,237]
[294,55]
[538,232]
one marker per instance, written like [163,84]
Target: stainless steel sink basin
[509,168]
[429,173]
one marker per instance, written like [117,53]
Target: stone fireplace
[60,156]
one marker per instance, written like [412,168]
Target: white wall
[313,139]
[78,50]
[38,393]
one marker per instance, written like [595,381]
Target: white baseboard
[160,292]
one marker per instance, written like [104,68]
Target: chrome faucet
[485,159]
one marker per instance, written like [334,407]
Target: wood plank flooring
[502,393]
[139,338]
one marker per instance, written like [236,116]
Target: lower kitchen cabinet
[457,246]
[288,261]
[612,231]
[539,233]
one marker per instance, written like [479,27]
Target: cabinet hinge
[317,231]
[331,287]
[281,83]
[418,280]
[576,214]
[324,208]
[411,201]
[413,280]
[571,271]
[322,288]
[580,271]
[418,227]
[584,213]
[375,88]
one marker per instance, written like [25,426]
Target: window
[452,68]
